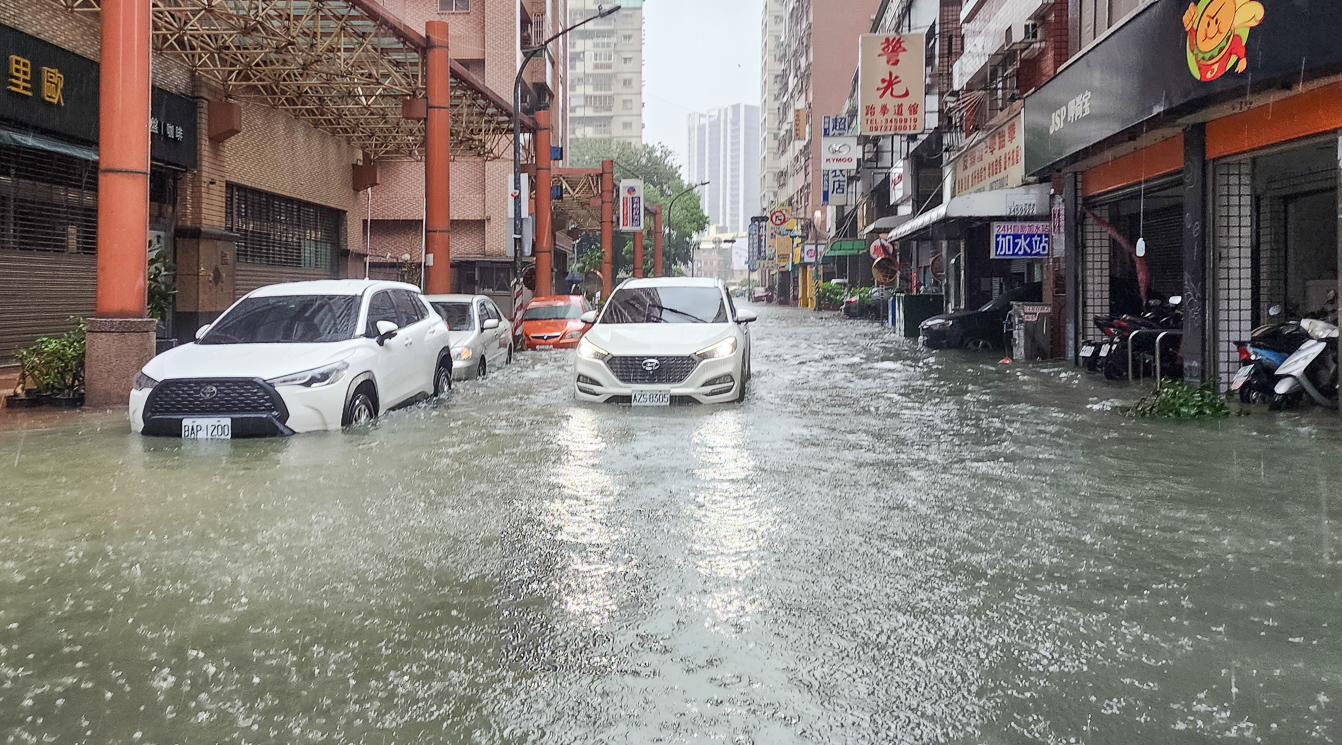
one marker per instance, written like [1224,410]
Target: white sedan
[659,340]
[297,357]
[482,337]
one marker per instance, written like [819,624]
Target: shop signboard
[839,153]
[834,126]
[1058,227]
[892,87]
[799,124]
[1021,240]
[901,186]
[834,188]
[50,89]
[631,206]
[811,253]
[1172,54]
[994,162]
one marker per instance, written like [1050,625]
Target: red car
[554,322]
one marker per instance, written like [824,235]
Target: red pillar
[638,254]
[607,225]
[545,234]
[437,162]
[657,241]
[121,337]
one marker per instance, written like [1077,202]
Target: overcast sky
[699,54]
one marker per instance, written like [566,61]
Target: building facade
[724,151]
[605,64]
[773,90]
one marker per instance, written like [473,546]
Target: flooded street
[882,545]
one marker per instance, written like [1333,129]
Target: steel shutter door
[39,292]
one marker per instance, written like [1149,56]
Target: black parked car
[976,329]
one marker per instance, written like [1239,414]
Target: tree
[655,165]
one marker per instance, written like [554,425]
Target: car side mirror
[385,330]
[589,317]
[746,316]
[491,324]
[202,331]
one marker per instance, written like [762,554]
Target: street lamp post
[527,56]
[670,212]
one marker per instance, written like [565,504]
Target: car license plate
[652,398]
[1087,350]
[1241,377]
[1104,351]
[543,347]
[207,429]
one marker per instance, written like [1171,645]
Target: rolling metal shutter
[282,239]
[48,240]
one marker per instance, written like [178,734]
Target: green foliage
[162,284]
[656,166]
[55,365]
[1183,400]
[831,294]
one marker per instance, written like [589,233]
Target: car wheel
[745,382]
[481,370]
[360,410]
[978,345]
[509,361]
[442,379]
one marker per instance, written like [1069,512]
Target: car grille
[669,369]
[175,397]
[545,337]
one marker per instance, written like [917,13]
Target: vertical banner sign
[834,126]
[631,206]
[752,238]
[1058,227]
[799,124]
[892,91]
[1020,240]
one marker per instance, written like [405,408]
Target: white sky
[698,55]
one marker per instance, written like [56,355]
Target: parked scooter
[1268,347]
[1311,370]
[1112,356]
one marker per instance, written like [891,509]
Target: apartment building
[487,37]
[605,65]
[724,151]
[773,83]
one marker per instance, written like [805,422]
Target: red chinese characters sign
[994,162]
[893,84]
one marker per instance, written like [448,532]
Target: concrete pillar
[1195,252]
[545,234]
[638,254]
[607,226]
[121,336]
[437,162]
[657,241]
[1072,243]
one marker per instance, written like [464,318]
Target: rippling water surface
[880,546]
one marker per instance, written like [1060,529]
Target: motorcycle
[1268,347]
[1311,370]
[1112,357]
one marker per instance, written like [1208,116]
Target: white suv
[664,340]
[297,357]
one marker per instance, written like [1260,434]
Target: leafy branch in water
[1183,400]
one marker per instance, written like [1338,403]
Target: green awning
[847,248]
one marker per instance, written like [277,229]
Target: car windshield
[459,316]
[552,312]
[666,305]
[287,319]
[1025,293]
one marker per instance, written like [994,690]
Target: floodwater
[882,545]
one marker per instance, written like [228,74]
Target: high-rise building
[724,151]
[773,89]
[605,64]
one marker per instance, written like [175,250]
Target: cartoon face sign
[1217,31]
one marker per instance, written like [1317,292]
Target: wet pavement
[882,545]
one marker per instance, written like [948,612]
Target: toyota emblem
[651,364]
[208,392]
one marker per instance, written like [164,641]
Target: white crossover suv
[663,340]
[297,357]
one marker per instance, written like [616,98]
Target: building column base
[115,349]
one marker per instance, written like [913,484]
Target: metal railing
[1160,337]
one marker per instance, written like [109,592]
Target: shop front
[1210,173]
[49,184]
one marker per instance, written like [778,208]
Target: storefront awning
[343,66]
[20,138]
[1021,202]
[886,224]
[855,247]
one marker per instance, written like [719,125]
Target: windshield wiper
[696,319]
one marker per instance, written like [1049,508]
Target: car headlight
[143,382]
[936,324]
[724,348]
[315,378]
[589,351]
[573,335]
[462,354]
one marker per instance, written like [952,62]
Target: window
[380,308]
[458,316]
[454,6]
[287,319]
[408,308]
[628,126]
[279,231]
[628,104]
[627,59]
[627,83]
[627,38]
[601,103]
[666,305]
[49,202]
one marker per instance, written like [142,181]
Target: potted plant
[56,366]
[25,391]
[162,289]
[830,296]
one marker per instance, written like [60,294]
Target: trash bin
[1031,331]
[907,312]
